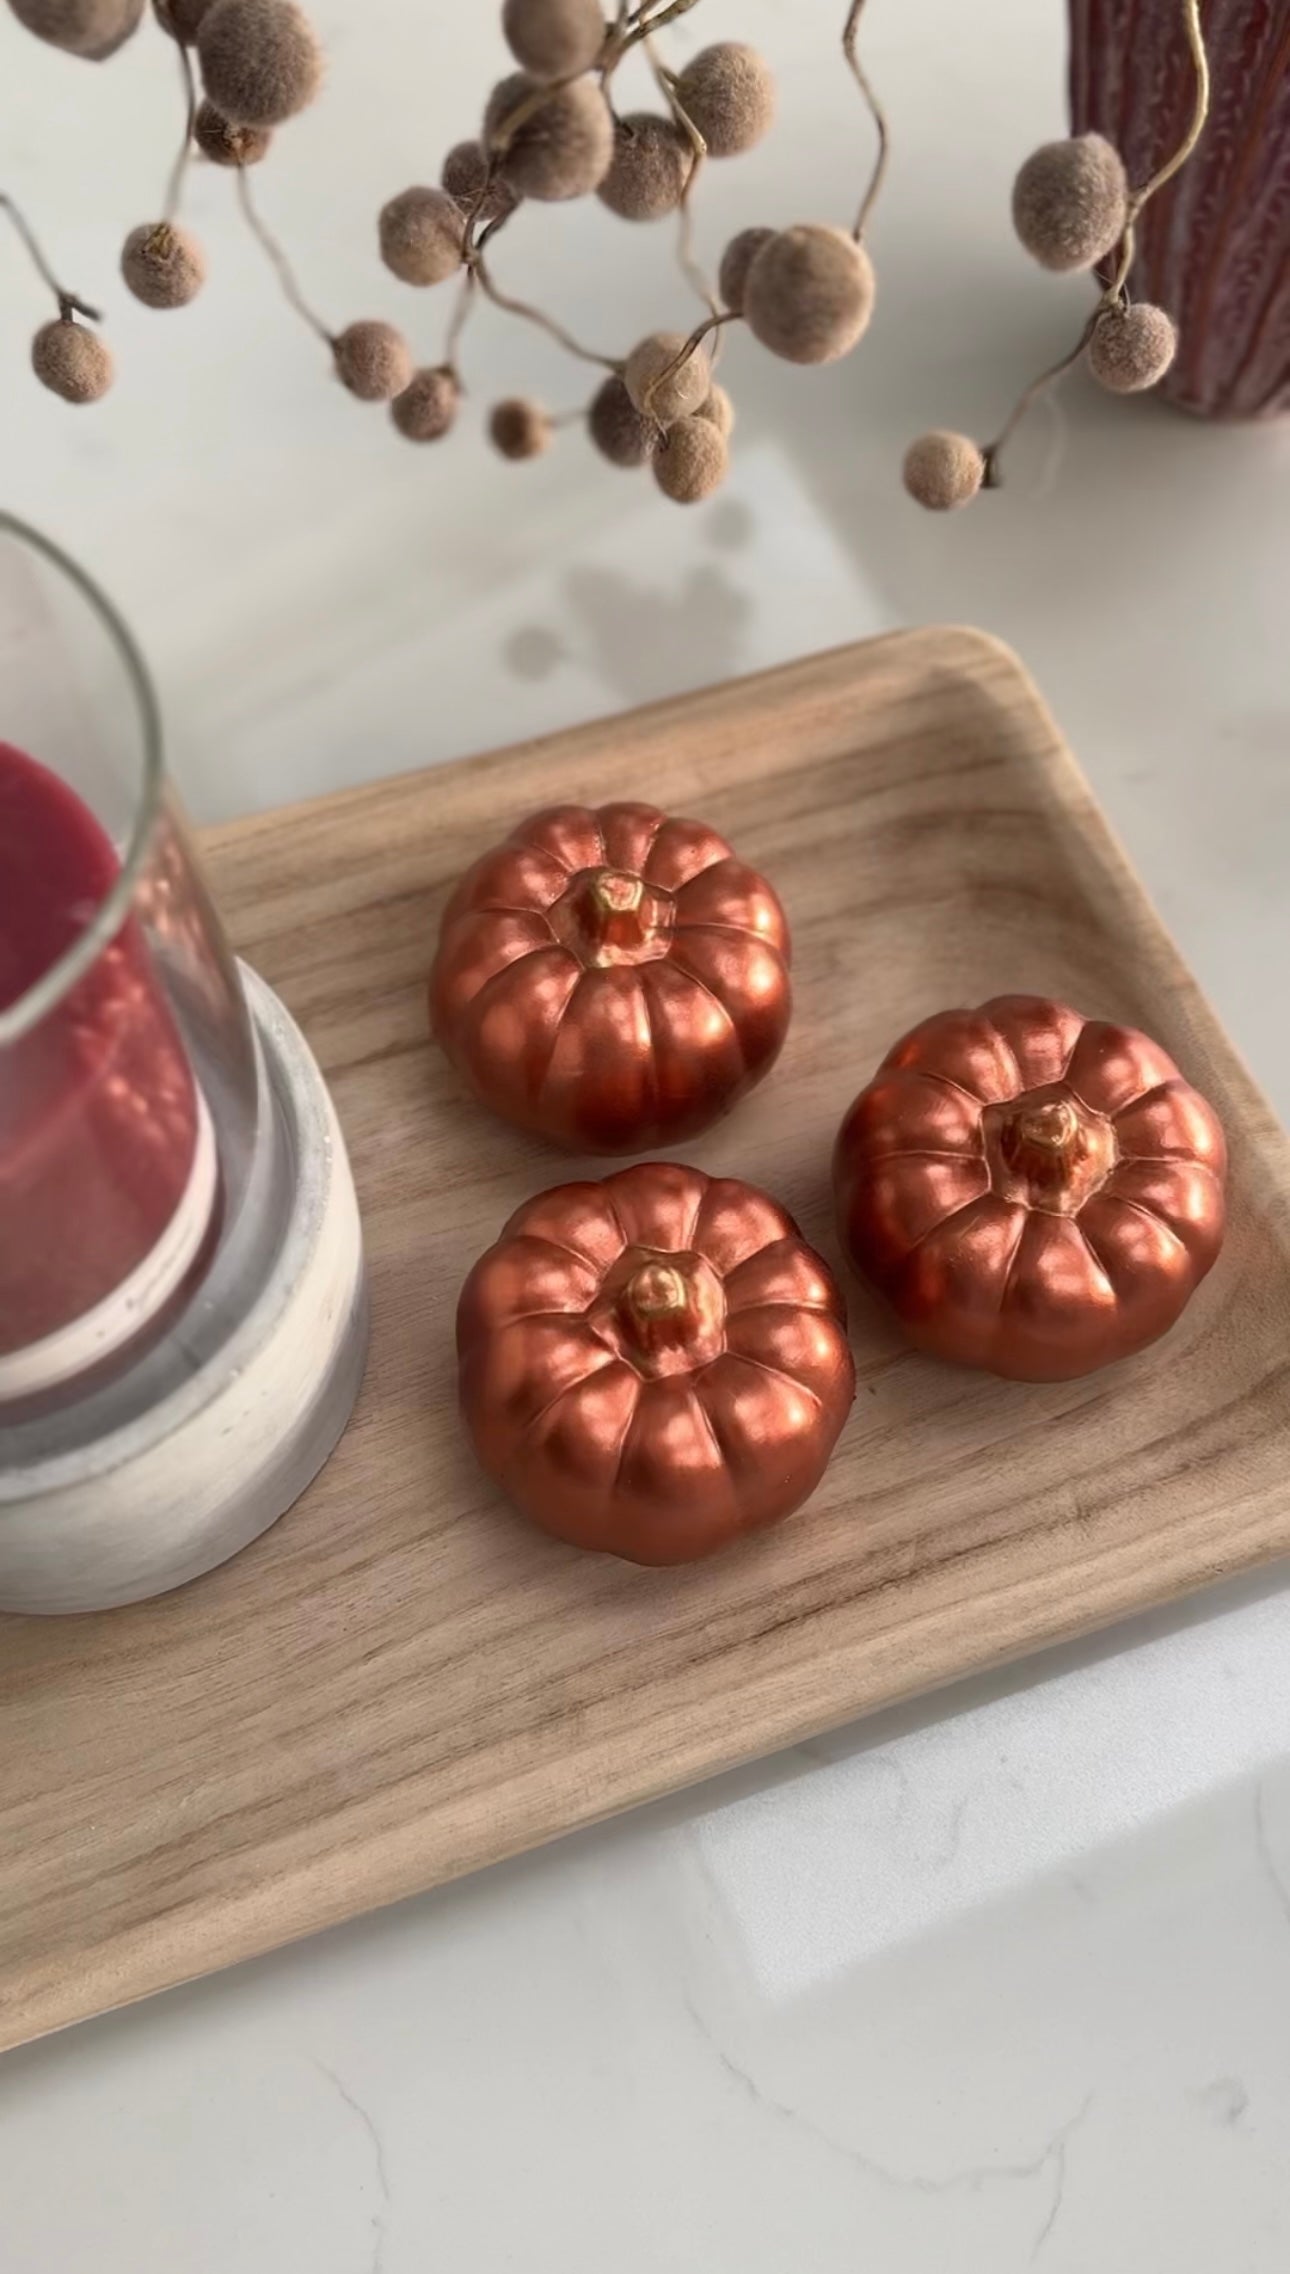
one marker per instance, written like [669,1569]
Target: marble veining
[1050,2162]
[381,2213]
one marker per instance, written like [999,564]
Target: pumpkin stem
[671,1313]
[657,1301]
[1048,1128]
[614,910]
[657,1291]
[615,893]
[612,916]
[1048,1152]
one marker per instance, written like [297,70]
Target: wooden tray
[401,1682]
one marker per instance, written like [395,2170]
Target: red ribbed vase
[1214,247]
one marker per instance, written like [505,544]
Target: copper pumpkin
[654,1364]
[610,978]
[1034,1192]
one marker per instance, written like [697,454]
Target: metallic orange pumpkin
[654,1364]
[611,979]
[1034,1192]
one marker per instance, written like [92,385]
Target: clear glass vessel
[144,1167]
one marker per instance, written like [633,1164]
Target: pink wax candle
[107,1157]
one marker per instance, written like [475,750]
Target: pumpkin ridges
[665,1434]
[1040,1036]
[682,852]
[706,902]
[620,825]
[1055,1162]
[482,945]
[1117,1055]
[1183,1104]
[546,831]
[778,1265]
[707,1025]
[975,1035]
[500,1006]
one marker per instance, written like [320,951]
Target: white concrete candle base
[197,1476]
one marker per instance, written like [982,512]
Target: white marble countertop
[997,1982]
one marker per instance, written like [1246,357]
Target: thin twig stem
[68,303]
[687,259]
[281,265]
[1200,108]
[648,21]
[683,354]
[175,185]
[548,324]
[1037,387]
[631,26]
[1200,113]
[460,317]
[850,35]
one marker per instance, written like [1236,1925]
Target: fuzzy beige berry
[163,265]
[1131,348]
[520,428]
[464,174]
[616,427]
[554,38]
[92,28]
[651,166]
[943,470]
[662,388]
[691,461]
[736,261]
[71,361]
[728,92]
[428,405]
[181,18]
[228,145]
[422,233]
[718,409]
[373,360]
[808,295]
[1069,202]
[261,62]
[563,148]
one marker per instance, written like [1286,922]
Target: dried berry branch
[532,163]
[806,292]
[1073,209]
[550,133]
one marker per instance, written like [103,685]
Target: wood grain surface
[400,1682]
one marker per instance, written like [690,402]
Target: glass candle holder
[173,1185]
